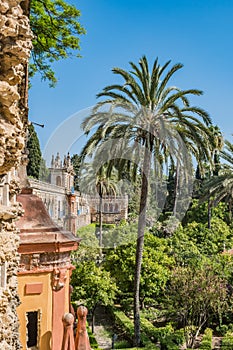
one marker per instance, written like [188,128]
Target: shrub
[122,344]
[166,336]
[206,343]
[227,341]
[126,325]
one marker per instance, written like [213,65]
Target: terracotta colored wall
[36,301]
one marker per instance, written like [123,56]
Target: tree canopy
[57,30]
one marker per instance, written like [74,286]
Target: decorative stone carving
[15,46]
[15,43]
[59,278]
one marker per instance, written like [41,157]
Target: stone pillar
[15,46]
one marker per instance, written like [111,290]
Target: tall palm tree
[96,180]
[147,120]
[220,187]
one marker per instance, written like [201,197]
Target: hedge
[227,341]
[166,337]
[206,343]
[126,324]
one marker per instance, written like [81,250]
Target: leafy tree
[207,241]
[184,250]
[156,265]
[194,295]
[88,247]
[149,105]
[122,234]
[56,28]
[92,286]
[34,153]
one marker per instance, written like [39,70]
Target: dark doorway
[32,328]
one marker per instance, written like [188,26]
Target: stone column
[15,46]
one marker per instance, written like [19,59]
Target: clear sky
[197,33]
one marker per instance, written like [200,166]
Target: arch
[105,207]
[116,208]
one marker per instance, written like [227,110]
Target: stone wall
[15,46]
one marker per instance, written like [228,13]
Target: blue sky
[197,33]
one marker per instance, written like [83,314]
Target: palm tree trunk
[209,214]
[176,189]
[140,245]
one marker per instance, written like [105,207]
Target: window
[58,181]
[32,329]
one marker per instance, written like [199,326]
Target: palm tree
[212,169]
[218,143]
[147,120]
[97,181]
[220,187]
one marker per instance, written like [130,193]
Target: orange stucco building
[43,277]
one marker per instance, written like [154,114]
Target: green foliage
[195,294]
[122,344]
[44,171]
[227,341]
[206,342]
[203,240]
[126,325]
[155,271]
[92,285]
[198,212]
[89,246]
[76,162]
[115,236]
[34,153]
[56,28]
[166,336]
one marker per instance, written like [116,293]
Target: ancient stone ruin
[15,46]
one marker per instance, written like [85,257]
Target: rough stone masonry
[15,46]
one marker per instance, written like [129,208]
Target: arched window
[116,208]
[58,180]
[110,208]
